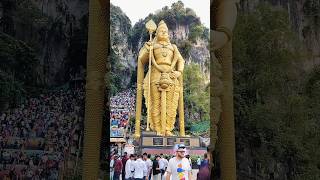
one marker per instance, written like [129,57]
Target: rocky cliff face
[304,18]
[66,17]
[48,27]
[124,61]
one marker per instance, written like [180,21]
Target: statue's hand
[175,74]
[147,45]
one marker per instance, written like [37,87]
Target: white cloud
[139,9]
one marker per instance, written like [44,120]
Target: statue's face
[162,34]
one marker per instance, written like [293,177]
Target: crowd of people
[122,106]
[124,99]
[119,120]
[37,137]
[158,167]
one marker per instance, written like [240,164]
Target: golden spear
[151,27]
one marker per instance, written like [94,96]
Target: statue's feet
[168,133]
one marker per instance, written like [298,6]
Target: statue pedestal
[149,133]
[153,144]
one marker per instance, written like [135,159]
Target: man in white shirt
[129,168]
[179,167]
[146,158]
[140,168]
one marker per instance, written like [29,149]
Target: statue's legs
[155,109]
[157,126]
[172,105]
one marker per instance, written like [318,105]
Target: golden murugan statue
[163,83]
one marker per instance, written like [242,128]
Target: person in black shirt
[156,169]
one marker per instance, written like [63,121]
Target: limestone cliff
[49,27]
[273,151]
[304,18]
[123,60]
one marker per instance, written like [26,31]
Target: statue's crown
[162,24]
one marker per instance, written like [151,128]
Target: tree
[18,69]
[196,31]
[196,93]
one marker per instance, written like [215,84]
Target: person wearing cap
[179,167]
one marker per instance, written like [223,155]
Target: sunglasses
[181,151]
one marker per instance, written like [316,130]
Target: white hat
[180,147]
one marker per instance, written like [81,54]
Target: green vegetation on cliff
[18,70]
[196,92]
[276,100]
[175,16]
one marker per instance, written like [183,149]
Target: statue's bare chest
[163,55]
